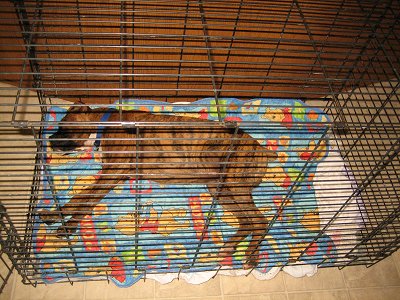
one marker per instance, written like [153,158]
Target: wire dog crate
[314,84]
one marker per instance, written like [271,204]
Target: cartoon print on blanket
[165,232]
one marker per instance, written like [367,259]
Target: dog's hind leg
[235,204]
[259,224]
[239,203]
[252,221]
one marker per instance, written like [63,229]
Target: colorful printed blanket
[169,235]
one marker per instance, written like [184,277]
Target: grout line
[308,291]
[396,262]
[154,288]
[14,279]
[345,282]
[84,291]
[221,287]
[284,284]
[378,287]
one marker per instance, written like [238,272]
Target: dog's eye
[75,109]
[79,107]
[63,129]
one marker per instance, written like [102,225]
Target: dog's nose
[53,136]
[59,142]
[55,142]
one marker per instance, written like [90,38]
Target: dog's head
[73,131]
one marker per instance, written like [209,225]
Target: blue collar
[101,128]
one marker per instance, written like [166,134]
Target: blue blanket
[169,237]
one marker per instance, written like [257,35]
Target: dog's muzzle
[63,143]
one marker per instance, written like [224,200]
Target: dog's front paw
[66,231]
[48,217]
[226,252]
[250,263]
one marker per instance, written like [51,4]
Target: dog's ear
[272,156]
[79,106]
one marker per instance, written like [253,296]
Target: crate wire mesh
[7,266]
[340,57]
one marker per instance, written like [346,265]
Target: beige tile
[140,290]
[249,285]
[388,293]
[198,298]
[181,289]
[96,290]
[396,256]
[8,289]
[22,291]
[271,296]
[396,259]
[49,292]
[63,291]
[324,279]
[382,274]
[4,266]
[326,295]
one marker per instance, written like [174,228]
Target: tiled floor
[379,282]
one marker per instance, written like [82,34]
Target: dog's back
[189,153]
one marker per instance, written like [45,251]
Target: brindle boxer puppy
[179,154]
